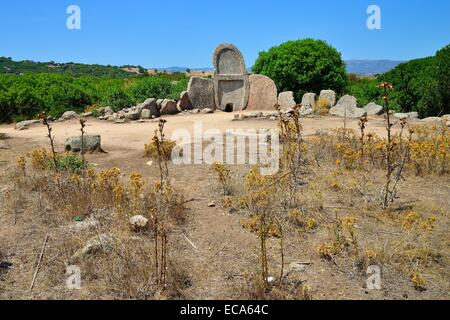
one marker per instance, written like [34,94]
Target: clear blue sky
[163,33]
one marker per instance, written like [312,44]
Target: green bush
[25,96]
[365,90]
[150,86]
[422,85]
[303,66]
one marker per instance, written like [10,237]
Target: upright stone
[347,107]
[263,93]
[330,95]
[231,83]
[308,104]
[286,100]
[201,93]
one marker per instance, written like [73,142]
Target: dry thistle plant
[389,191]
[51,139]
[293,157]
[167,208]
[83,125]
[224,176]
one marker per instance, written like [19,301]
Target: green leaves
[422,85]
[303,66]
[25,96]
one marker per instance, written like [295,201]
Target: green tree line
[25,96]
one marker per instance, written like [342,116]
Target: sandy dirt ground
[225,251]
[133,136]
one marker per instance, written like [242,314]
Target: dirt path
[133,136]
[224,252]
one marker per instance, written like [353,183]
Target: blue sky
[163,33]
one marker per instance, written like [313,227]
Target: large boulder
[138,223]
[169,106]
[286,100]
[308,104]
[133,114]
[263,93]
[146,114]
[330,95]
[68,115]
[201,93]
[374,109]
[432,119]
[149,104]
[26,124]
[91,143]
[409,115]
[184,103]
[347,107]
[108,111]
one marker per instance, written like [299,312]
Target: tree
[301,66]
[443,75]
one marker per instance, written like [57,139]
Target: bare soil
[225,252]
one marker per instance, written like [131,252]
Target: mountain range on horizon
[7,65]
[360,67]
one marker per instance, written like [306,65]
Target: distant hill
[370,67]
[359,67]
[180,69]
[7,65]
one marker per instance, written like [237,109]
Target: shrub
[167,146]
[303,66]
[422,85]
[151,86]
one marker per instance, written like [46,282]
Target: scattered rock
[86,115]
[149,104]
[286,100]
[184,103]
[138,223]
[84,225]
[294,267]
[409,115]
[271,280]
[91,143]
[256,115]
[212,204]
[146,114]
[201,92]
[194,111]
[263,93]
[99,244]
[68,115]
[347,107]
[4,190]
[169,106]
[206,110]
[373,109]
[120,121]
[26,124]
[133,114]
[108,111]
[330,95]
[431,119]
[158,103]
